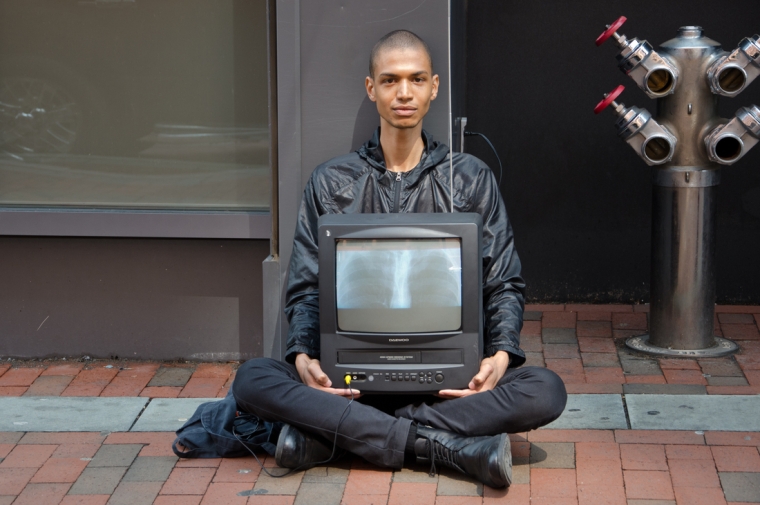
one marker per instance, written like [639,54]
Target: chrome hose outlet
[733,72]
[656,75]
[653,142]
[651,72]
[728,143]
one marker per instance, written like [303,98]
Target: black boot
[296,449]
[487,459]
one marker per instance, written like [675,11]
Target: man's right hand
[312,375]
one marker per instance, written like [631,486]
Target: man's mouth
[405,111]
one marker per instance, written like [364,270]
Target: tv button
[439,378]
[393,377]
[429,380]
[422,379]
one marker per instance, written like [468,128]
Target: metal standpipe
[685,144]
[682,285]
[684,212]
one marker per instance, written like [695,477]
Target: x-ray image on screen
[399,286]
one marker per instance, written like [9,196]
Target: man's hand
[491,371]
[312,375]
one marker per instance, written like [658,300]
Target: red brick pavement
[607,467]
[624,466]
[596,361]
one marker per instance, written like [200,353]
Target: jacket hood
[435,152]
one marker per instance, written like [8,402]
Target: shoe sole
[505,454]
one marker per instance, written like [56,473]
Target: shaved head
[398,39]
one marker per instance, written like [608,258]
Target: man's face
[402,87]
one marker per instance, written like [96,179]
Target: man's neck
[402,148]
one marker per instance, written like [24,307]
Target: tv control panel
[399,381]
[421,377]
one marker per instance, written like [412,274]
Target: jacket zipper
[397,192]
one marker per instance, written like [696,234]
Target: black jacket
[359,182]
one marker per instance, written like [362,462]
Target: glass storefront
[134,104]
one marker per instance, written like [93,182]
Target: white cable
[451,123]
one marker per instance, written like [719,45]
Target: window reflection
[152,104]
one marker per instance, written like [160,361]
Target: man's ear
[369,84]
[435,82]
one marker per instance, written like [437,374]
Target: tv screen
[398,285]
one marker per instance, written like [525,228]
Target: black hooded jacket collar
[433,154]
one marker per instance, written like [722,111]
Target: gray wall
[202,298]
[322,57]
[131,298]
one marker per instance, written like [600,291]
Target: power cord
[335,440]
[473,134]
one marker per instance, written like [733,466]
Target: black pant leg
[525,398]
[273,391]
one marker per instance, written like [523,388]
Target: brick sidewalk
[583,343]
[551,467]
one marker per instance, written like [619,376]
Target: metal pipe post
[683,267]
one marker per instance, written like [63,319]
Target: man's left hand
[491,371]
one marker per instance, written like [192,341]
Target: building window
[134,104]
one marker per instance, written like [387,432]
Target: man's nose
[404,90]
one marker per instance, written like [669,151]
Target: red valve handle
[608,99]
[609,31]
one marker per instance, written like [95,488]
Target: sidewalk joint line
[139,414]
[625,411]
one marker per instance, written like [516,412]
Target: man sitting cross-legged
[402,169]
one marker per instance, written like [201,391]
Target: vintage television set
[400,300]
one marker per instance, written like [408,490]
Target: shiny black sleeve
[302,295]
[503,287]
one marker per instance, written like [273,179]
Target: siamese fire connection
[685,144]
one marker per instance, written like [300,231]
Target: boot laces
[436,451]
